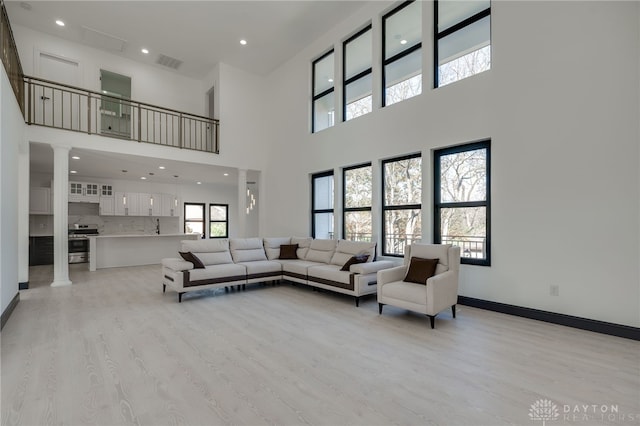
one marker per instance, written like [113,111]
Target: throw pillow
[420,270]
[288,251]
[190,257]
[358,258]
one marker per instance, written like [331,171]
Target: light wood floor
[112,349]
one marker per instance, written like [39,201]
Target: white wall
[563,122]
[11,135]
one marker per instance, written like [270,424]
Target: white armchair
[440,291]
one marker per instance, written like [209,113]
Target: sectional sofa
[342,266]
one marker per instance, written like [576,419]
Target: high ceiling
[198,33]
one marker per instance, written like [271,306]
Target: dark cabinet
[40,251]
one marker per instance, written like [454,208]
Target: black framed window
[402,53]
[357,94]
[322,205]
[357,191]
[323,103]
[194,219]
[462,42]
[462,200]
[218,220]
[401,203]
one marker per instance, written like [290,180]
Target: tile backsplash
[109,225]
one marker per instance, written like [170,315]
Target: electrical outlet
[554,290]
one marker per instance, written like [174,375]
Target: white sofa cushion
[303,245]
[346,249]
[232,271]
[321,251]
[262,267]
[247,249]
[210,252]
[272,246]
[329,272]
[297,266]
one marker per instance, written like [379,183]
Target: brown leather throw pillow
[359,258]
[288,251]
[190,257]
[420,270]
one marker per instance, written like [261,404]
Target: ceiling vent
[168,61]
[102,40]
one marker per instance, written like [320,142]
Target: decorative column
[60,188]
[23,216]
[242,203]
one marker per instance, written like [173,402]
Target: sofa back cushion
[345,250]
[321,251]
[431,251]
[210,252]
[303,245]
[272,246]
[247,249]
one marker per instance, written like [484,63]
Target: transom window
[401,203]
[323,105]
[357,195]
[401,52]
[357,98]
[322,205]
[462,40]
[462,204]
[218,220]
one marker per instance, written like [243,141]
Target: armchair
[440,291]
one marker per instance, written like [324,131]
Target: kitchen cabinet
[81,192]
[107,206]
[106,190]
[127,204]
[40,201]
[150,204]
[170,205]
[40,251]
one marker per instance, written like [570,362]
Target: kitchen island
[110,251]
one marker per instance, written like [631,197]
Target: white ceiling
[105,165]
[199,33]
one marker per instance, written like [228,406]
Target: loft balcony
[60,106]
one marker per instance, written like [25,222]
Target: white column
[60,216]
[242,203]
[23,213]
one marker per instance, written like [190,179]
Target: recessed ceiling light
[73,172]
[161,167]
[143,178]
[199,183]
[330,80]
[59,22]
[243,42]
[226,174]
[403,41]
[75,157]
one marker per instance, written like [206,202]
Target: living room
[559,106]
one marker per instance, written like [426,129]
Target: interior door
[54,106]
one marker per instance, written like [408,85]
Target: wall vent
[168,61]
[102,40]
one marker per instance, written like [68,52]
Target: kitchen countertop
[137,235]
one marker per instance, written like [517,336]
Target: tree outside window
[357,194]
[218,220]
[194,218]
[402,205]
[462,200]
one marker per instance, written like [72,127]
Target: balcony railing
[60,106]
[470,246]
[10,58]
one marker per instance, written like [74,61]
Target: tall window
[401,52]
[323,105]
[462,203]
[462,39]
[401,203]
[194,218]
[357,99]
[357,192]
[218,220]
[322,205]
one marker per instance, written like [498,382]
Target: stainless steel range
[79,243]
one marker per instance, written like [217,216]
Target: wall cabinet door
[170,205]
[127,204]
[107,206]
[106,190]
[84,192]
[40,201]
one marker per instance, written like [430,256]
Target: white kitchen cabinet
[107,206]
[127,204]
[150,204]
[83,192]
[170,205]
[40,201]
[106,190]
